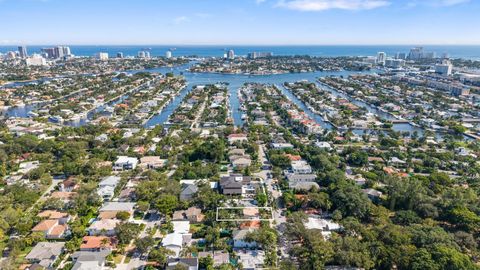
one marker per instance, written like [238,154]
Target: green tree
[165,204]
[144,244]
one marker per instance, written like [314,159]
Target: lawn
[118,258]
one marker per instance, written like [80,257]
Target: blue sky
[239,22]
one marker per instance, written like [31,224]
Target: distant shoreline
[455,51]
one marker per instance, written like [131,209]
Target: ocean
[454,51]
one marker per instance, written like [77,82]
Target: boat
[32,114]
[109,109]
[55,119]
[244,116]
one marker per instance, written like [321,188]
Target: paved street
[276,193]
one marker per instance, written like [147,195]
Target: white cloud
[181,19]
[436,3]
[450,2]
[321,5]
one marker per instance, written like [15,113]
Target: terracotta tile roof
[45,225]
[58,230]
[95,242]
[50,214]
[237,135]
[293,157]
[254,224]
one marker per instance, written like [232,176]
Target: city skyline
[249,22]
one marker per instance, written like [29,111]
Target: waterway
[235,82]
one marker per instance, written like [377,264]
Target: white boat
[244,116]
[32,114]
[56,119]
[109,109]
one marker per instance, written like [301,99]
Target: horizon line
[232,44]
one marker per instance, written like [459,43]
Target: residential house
[68,185]
[282,146]
[106,187]
[237,137]
[236,152]
[52,228]
[63,196]
[241,162]
[125,163]
[372,194]
[188,192]
[239,240]
[187,263]
[109,210]
[233,184]
[152,162]
[192,214]
[173,242]
[52,214]
[325,225]
[179,238]
[89,260]
[103,227]
[323,145]
[303,185]
[102,138]
[219,257]
[251,259]
[45,253]
[301,181]
[98,243]
[301,167]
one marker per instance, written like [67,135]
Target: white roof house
[106,192]
[125,163]
[106,187]
[323,145]
[181,227]
[282,145]
[109,181]
[301,167]
[173,242]
[118,206]
[327,226]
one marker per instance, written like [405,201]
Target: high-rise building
[58,52]
[102,56]
[10,55]
[119,55]
[141,54]
[381,57]
[168,54]
[50,52]
[22,50]
[401,56]
[254,55]
[147,54]
[36,60]
[66,51]
[394,63]
[445,68]
[231,54]
[416,53]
